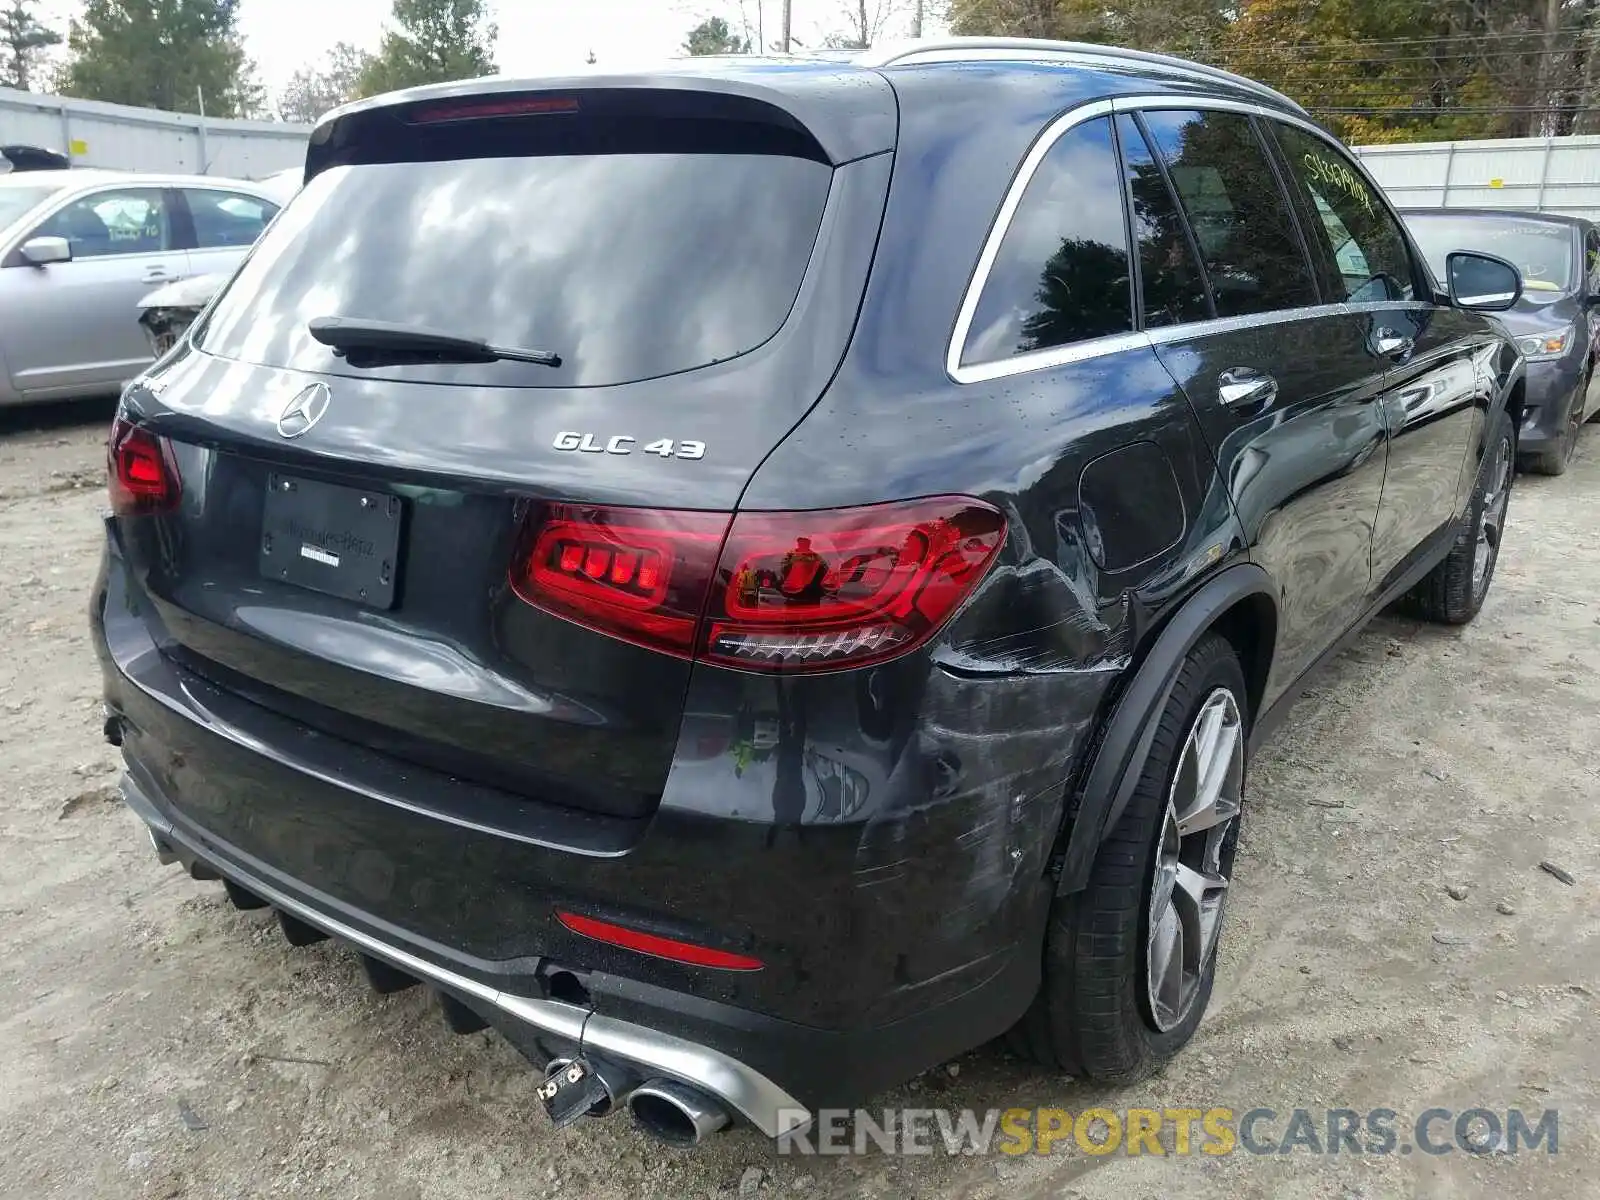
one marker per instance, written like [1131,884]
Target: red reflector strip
[657,947]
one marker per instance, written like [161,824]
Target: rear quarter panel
[960,758]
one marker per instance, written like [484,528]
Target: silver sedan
[79,249]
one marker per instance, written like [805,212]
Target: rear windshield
[629,266]
[1542,250]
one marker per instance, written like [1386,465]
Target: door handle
[1246,388]
[1392,344]
[160,275]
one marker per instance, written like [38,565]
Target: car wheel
[1129,961]
[1453,592]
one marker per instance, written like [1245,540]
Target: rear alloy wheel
[1454,591]
[1129,961]
[1188,890]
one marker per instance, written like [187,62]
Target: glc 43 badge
[622,443]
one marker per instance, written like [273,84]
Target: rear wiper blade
[379,340]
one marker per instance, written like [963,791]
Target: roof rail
[957,49]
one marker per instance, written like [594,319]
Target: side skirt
[1268,721]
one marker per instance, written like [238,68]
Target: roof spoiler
[793,108]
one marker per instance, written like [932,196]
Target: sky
[536,36]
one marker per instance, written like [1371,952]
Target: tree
[1374,70]
[864,20]
[315,89]
[433,41]
[22,38]
[1191,27]
[162,54]
[712,36]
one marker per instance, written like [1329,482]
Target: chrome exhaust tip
[675,1113]
[164,853]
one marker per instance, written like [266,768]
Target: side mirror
[1482,282]
[42,251]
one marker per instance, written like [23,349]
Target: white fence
[1552,174]
[145,139]
[1559,175]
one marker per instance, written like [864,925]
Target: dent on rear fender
[997,754]
[1016,686]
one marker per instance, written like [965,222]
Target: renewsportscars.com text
[1176,1131]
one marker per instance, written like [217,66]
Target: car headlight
[1552,344]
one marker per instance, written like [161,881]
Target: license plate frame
[325,537]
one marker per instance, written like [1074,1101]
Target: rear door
[1278,377]
[1435,393]
[220,227]
[75,325]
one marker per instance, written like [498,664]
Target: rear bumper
[748,1092]
[1552,394]
[322,831]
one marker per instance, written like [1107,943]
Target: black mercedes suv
[756,578]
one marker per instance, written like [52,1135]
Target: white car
[79,249]
[167,312]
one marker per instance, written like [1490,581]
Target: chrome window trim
[1091,348]
[1164,334]
[976,372]
[1364,306]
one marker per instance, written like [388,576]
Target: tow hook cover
[571,1091]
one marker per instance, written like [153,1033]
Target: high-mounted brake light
[140,473]
[802,591]
[657,946]
[489,107]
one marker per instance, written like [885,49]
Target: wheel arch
[1238,602]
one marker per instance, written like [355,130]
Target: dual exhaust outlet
[671,1112]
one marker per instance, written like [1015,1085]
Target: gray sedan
[79,249]
[1556,323]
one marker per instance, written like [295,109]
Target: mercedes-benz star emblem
[304,411]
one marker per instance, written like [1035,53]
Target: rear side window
[1349,219]
[1591,260]
[1061,274]
[1171,284]
[227,218]
[1239,215]
[629,265]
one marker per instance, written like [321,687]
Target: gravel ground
[154,1042]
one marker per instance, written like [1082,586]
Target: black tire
[1453,592]
[1093,1015]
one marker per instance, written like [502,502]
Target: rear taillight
[633,573]
[805,591]
[141,475]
